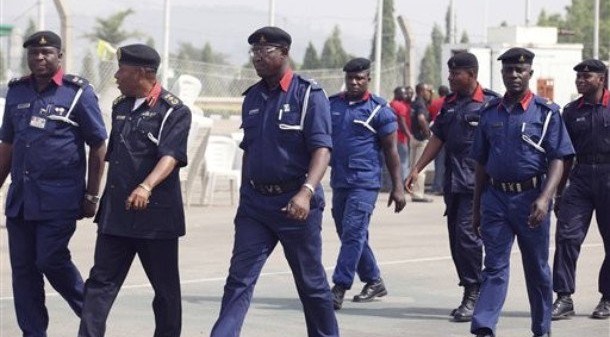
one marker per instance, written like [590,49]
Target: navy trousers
[40,248]
[113,258]
[259,226]
[466,246]
[589,190]
[504,216]
[352,209]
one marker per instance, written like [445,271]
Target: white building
[553,74]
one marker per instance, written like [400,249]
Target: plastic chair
[219,158]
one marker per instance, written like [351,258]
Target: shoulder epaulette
[379,100]
[247,90]
[16,80]
[546,103]
[314,85]
[118,100]
[76,80]
[489,92]
[170,99]
[334,95]
[491,103]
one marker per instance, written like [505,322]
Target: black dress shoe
[338,294]
[370,291]
[563,307]
[484,332]
[548,334]
[602,310]
[421,200]
[463,313]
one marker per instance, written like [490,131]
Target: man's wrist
[94,199]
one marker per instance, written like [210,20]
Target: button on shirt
[48,155]
[455,126]
[357,131]
[589,125]
[278,138]
[499,142]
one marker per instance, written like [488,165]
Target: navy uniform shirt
[500,144]
[358,127]
[589,125]
[418,107]
[455,126]
[137,142]
[278,136]
[48,156]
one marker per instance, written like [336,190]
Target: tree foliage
[31,29]
[388,33]
[187,51]
[311,59]
[111,29]
[577,26]
[430,66]
[464,38]
[333,54]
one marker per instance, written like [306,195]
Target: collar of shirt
[57,78]
[153,95]
[286,80]
[525,101]
[604,101]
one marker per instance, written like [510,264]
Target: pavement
[411,248]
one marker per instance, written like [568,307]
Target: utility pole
[408,73]
[40,14]
[596,31]
[452,25]
[527,13]
[165,63]
[377,79]
[271,12]
[65,19]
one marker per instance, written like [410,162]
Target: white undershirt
[138,102]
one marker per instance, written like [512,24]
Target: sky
[225,24]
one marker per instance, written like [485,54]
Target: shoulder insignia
[489,92]
[118,100]
[76,80]
[16,80]
[314,85]
[546,103]
[171,99]
[379,100]
[491,103]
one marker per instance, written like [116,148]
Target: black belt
[593,158]
[516,187]
[279,188]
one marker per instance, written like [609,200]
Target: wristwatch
[94,199]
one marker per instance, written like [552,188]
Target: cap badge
[521,58]
[452,64]
[42,40]
[586,68]
[262,39]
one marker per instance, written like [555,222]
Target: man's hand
[88,208]
[298,206]
[398,197]
[538,212]
[138,199]
[476,221]
[411,179]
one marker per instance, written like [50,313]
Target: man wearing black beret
[364,128]
[520,146]
[588,122]
[287,142]
[49,119]
[454,128]
[141,210]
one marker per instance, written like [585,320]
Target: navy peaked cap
[591,65]
[270,35]
[463,60]
[45,38]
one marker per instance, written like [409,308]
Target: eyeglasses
[262,50]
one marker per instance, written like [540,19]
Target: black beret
[270,35]
[591,65]
[463,60]
[45,38]
[357,65]
[517,55]
[139,55]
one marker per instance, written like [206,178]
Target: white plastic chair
[219,158]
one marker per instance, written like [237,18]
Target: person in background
[420,129]
[588,122]
[440,161]
[401,104]
[364,127]
[48,120]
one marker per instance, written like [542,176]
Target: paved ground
[413,253]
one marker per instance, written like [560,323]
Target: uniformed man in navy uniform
[287,142]
[141,209]
[520,145]
[48,119]
[364,126]
[588,122]
[455,128]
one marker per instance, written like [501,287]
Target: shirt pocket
[531,137]
[289,123]
[59,194]
[146,130]
[251,127]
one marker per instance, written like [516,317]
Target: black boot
[338,294]
[463,313]
[563,307]
[370,291]
[602,311]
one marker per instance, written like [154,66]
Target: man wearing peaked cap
[454,130]
[50,119]
[364,128]
[141,210]
[586,120]
[287,142]
[518,167]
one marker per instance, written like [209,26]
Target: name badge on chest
[38,122]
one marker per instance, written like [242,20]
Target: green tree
[464,38]
[388,33]
[208,55]
[111,28]
[311,59]
[333,54]
[31,29]
[448,27]
[577,26]
[430,66]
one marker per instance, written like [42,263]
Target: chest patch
[23,106]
